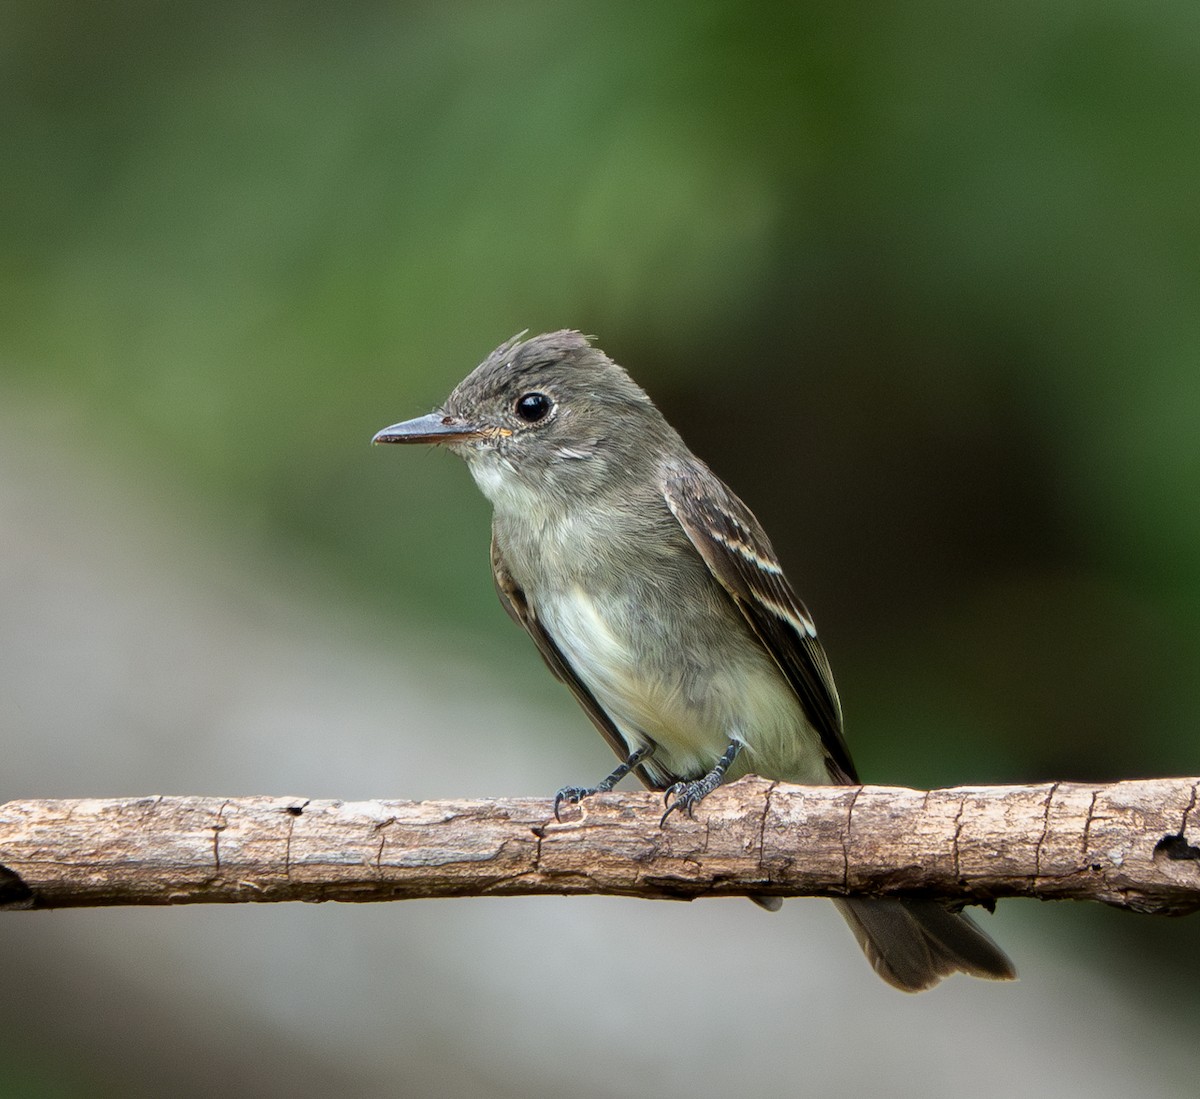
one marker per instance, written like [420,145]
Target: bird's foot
[685,796]
[573,795]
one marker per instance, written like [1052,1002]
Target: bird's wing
[739,554]
[512,598]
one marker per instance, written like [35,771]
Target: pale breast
[689,704]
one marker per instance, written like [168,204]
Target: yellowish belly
[689,714]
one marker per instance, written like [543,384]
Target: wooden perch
[1131,844]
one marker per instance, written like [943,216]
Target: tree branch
[1131,844]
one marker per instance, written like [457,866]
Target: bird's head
[550,417]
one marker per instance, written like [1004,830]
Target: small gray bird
[652,591]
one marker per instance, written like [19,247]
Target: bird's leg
[685,796]
[575,794]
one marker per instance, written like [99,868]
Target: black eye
[533,407]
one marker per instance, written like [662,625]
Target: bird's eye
[533,407]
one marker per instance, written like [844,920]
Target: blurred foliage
[33,1074]
[921,280]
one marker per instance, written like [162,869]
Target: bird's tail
[914,944]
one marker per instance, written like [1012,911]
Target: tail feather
[914,944]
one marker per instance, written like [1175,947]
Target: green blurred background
[919,280]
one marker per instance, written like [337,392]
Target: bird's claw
[572,795]
[687,795]
[684,796]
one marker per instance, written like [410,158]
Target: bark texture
[1131,844]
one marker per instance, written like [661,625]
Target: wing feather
[739,555]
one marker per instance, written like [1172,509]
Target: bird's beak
[437,427]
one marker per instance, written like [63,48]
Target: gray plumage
[652,591]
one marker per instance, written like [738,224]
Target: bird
[652,591]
